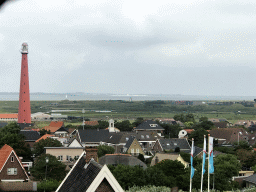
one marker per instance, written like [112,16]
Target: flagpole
[208,162]
[192,150]
[203,162]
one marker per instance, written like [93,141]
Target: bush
[149,188]
[48,186]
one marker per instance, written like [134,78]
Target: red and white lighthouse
[24,115]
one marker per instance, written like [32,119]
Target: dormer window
[12,159]
[175,143]
[127,138]
[142,136]
[147,136]
[153,125]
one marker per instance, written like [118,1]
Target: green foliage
[242,145]
[10,135]
[48,186]
[247,158]
[184,118]
[141,157]
[44,131]
[227,150]
[171,131]
[225,167]
[124,125]
[198,136]
[104,149]
[149,188]
[206,125]
[48,142]
[203,119]
[55,169]
[138,121]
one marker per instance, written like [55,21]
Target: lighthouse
[24,114]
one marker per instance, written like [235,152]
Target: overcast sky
[190,47]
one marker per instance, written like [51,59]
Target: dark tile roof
[93,135]
[62,129]
[81,176]
[114,138]
[229,134]
[140,136]
[149,125]
[24,125]
[125,159]
[30,135]
[220,124]
[129,142]
[172,143]
[251,179]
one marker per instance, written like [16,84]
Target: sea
[126,97]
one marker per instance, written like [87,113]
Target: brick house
[133,147]
[87,175]
[11,168]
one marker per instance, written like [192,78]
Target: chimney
[91,152]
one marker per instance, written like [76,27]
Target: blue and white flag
[204,155]
[211,167]
[191,160]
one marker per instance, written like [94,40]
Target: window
[12,171]
[142,136]
[137,151]
[150,144]
[12,159]
[147,136]
[67,157]
[127,138]
[132,151]
[60,158]
[175,143]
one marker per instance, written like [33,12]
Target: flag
[191,160]
[211,167]
[204,155]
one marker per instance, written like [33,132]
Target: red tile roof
[189,130]
[91,123]
[56,124]
[44,137]
[4,154]
[9,116]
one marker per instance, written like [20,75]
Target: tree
[246,157]
[141,157]
[124,125]
[55,169]
[198,136]
[10,135]
[171,131]
[138,121]
[184,118]
[48,142]
[104,149]
[44,131]
[203,119]
[225,167]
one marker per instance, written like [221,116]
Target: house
[133,147]
[45,137]
[39,116]
[87,175]
[54,126]
[124,159]
[30,137]
[150,125]
[61,132]
[74,143]
[220,124]
[91,123]
[11,168]
[2,124]
[162,145]
[171,156]
[9,117]
[250,181]
[114,140]
[92,137]
[227,136]
[146,138]
[67,155]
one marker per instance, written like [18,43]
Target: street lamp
[47,161]
[83,111]
[238,136]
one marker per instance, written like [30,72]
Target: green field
[131,110]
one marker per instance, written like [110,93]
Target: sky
[188,47]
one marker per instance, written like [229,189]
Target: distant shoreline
[14,96]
